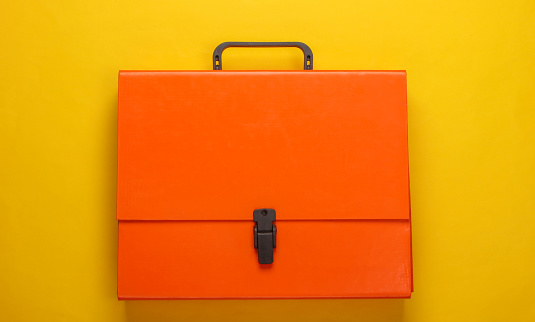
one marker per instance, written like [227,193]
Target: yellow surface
[471,99]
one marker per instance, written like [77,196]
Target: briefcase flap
[215,145]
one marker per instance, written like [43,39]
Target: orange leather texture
[215,145]
[216,259]
[198,151]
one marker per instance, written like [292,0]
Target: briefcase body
[263,184]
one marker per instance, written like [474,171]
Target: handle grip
[218,52]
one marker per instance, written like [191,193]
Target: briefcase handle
[218,52]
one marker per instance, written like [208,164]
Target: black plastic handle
[218,52]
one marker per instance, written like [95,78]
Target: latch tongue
[265,234]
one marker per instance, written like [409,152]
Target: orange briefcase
[263,184]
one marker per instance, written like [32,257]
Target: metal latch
[265,234]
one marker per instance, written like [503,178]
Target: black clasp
[265,234]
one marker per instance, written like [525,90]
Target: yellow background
[471,101]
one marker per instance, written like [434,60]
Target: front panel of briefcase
[263,184]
